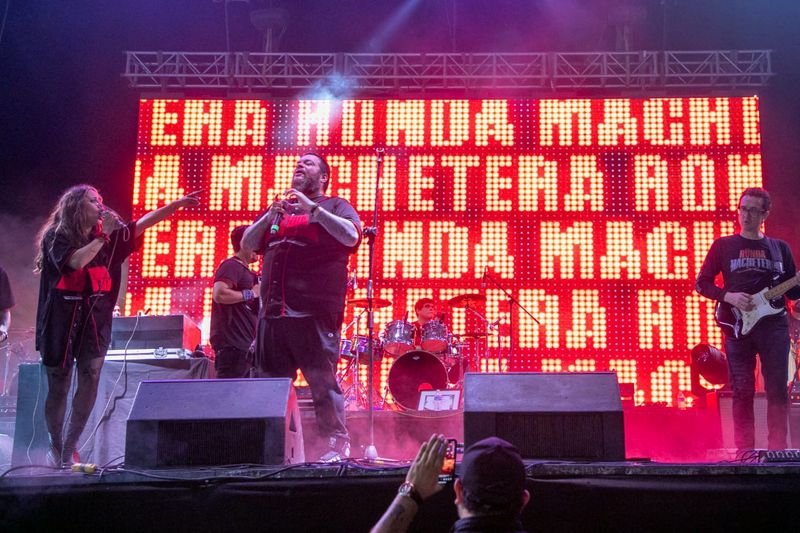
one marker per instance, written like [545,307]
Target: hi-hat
[377,303]
[464,300]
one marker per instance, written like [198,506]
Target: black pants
[770,340]
[311,344]
[231,363]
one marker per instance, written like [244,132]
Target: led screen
[591,215]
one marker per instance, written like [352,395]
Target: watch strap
[408,489]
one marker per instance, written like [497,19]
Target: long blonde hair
[68,219]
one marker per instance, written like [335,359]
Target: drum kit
[426,358]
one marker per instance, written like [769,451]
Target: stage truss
[341,73]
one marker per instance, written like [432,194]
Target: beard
[303,183]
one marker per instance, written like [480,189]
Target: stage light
[711,364]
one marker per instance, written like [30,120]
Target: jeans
[770,340]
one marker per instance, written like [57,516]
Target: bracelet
[314,209]
[248,295]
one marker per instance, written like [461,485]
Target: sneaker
[338,449]
[53,457]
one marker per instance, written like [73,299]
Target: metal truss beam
[420,73]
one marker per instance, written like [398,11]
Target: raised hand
[425,469]
[190,200]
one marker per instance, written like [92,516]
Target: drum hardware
[356,350]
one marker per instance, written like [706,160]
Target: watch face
[405,489]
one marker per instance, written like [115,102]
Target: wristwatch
[407,489]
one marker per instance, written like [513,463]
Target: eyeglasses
[750,210]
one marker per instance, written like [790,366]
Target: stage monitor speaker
[214,422]
[572,416]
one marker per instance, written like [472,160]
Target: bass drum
[412,373]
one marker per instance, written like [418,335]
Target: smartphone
[449,466]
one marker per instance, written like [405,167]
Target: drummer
[425,308]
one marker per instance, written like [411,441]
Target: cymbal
[464,300]
[377,303]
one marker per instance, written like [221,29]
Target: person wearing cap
[490,494]
[234,310]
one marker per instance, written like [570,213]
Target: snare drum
[398,337]
[434,336]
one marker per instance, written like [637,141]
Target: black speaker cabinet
[574,416]
[214,422]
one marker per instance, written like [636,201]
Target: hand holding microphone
[111,220]
[279,207]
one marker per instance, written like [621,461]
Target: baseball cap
[493,475]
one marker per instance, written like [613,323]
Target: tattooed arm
[423,474]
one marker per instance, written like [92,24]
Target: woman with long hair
[80,251]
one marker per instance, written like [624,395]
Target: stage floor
[667,484]
[350,496]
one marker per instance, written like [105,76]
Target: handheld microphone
[483,278]
[114,215]
[276,222]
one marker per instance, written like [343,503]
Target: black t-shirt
[6,296]
[305,268]
[234,324]
[98,282]
[747,265]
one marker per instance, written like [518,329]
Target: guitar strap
[775,253]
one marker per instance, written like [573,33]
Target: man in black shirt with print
[750,261]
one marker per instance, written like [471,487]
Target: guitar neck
[780,290]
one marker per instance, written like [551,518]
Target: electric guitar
[738,324]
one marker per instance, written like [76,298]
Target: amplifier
[150,332]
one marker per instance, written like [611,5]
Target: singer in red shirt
[306,239]
[81,248]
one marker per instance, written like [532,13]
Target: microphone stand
[511,302]
[371,452]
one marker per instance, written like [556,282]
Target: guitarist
[749,261]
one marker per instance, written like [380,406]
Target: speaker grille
[567,436]
[210,442]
